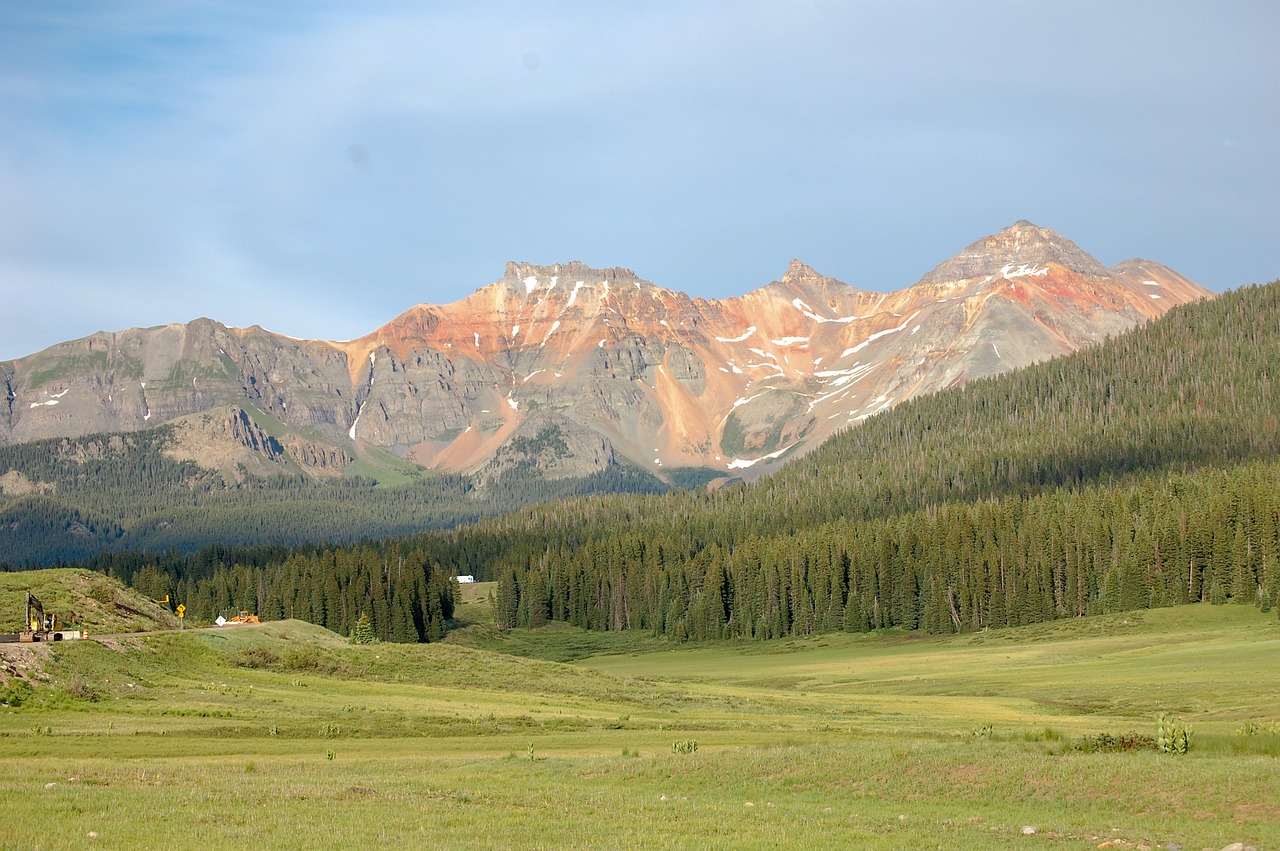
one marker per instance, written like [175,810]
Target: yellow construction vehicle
[242,618]
[42,626]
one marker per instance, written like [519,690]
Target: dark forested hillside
[69,499]
[1207,536]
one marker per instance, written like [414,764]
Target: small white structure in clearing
[466,579]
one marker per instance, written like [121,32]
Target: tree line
[1212,536]
[405,595]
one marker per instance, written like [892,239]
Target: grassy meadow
[286,735]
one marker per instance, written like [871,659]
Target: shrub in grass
[101,590]
[1107,743]
[685,746]
[306,658]
[255,657]
[81,689]
[14,693]
[1172,736]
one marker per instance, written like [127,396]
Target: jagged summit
[800,280]
[1022,244]
[797,269]
[520,275]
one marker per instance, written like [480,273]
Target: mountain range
[567,370]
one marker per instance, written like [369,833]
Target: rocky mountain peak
[1132,264]
[529,276]
[1020,245]
[798,271]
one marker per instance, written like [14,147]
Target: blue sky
[318,168]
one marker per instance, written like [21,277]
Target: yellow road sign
[182,610]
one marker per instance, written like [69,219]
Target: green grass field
[285,735]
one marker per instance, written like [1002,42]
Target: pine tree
[362,633]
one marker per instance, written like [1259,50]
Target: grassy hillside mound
[81,599]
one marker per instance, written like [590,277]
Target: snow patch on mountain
[1009,272]
[741,463]
[351,432]
[884,402]
[804,308]
[50,402]
[554,325]
[877,335]
[738,339]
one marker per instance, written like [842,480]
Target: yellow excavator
[42,626]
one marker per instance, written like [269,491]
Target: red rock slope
[577,368]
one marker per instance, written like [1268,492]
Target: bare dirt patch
[22,661]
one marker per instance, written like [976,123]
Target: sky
[319,167]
